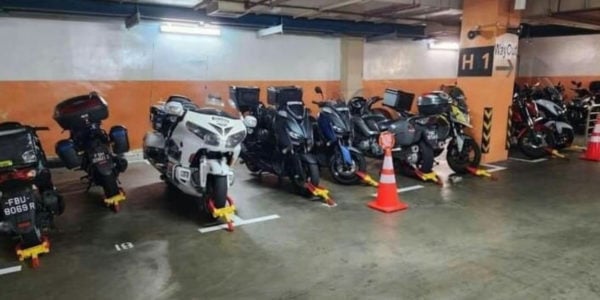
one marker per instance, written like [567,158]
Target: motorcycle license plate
[17,203]
[99,157]
[6,163]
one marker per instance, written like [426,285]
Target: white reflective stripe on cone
[597,128]
[388,163]
[595,139]
[387,178]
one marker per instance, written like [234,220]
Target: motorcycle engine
[411,154]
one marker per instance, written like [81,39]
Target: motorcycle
[333,142]
[280,137]
[194,150]
[552,112]
[90,148]
[28,197]
[415,135]
[462,152]
[578,108]
[528,129]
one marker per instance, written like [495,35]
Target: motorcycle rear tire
[110,185]
[458,163]
[424,164]
[30,239]
[347,179]
[539,151]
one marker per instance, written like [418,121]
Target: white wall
[560,56]
[41,49]
[407,59]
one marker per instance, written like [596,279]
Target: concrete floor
[533,234]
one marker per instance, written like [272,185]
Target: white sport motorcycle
[194,148]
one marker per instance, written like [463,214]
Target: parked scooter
[534,139]
[28,196]
[367,123]
[90,148]
[194,148]
[333,142]
[281,138]
[552,112]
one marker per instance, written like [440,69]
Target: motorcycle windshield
[215,106]
[296,130]
[550,90]
[16,149]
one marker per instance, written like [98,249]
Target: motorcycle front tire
[535,152]
[337,162]
[460,163]
[569,136]
[311,172]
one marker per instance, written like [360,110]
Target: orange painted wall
[32,102]
[565,80]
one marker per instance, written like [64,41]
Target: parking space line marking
[10,270]
[533,161]
[494,168]
[237,221]
[406,189]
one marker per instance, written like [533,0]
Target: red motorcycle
[528,131]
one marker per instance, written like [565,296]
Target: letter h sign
[476,61]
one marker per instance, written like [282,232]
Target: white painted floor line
[237,221]
[533,161]
[406,189]
[494,168]
[10,270]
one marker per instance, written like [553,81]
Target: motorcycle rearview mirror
[250,121]
[174,108]
[318,90]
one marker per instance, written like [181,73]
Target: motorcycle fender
[308,158]
[345,151]
[560,126]
[104,168]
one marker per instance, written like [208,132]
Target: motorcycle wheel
[30,239]
[344,175]
[424,162]
[566,139]
[252,167]
[469,157]
[534,144]
[218,190]
[109,184]
[311,172]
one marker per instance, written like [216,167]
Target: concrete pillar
[351,67]
[486,77]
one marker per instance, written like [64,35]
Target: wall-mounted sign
[477,61]
[505,53]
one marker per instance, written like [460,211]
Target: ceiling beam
[316,12]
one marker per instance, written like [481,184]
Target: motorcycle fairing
[560,126]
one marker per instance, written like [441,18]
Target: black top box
[398,100]
[78,112]
[245,97]
[282,95]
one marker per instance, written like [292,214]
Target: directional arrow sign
[508,68]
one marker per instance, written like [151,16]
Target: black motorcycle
[281,139]
[333,142]
[28,196]
[415,135]
[578,108]
[90,148]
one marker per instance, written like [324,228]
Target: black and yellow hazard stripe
[509,128]
[487,130]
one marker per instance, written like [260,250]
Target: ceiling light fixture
[190,28]
[434,45]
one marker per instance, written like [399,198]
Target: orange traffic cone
[387,199]
[593,147]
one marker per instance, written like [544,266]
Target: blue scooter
[333,143]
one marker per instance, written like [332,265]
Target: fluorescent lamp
[187,28]
[433,45]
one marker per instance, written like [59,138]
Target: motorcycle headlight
[294,135]
[235,139]
[29,157]
[208,137]
[337,129]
